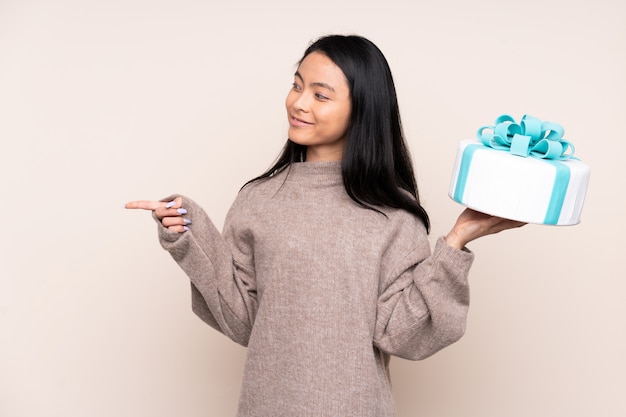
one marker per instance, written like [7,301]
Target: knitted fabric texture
[322,291]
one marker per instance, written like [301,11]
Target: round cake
[527,189]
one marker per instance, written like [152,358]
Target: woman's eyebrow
[316,84]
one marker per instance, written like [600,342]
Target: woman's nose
[302,102]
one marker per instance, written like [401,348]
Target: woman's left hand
[472,224]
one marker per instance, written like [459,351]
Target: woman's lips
[294,121]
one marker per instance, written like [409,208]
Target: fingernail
[170,204]
[181,211]
[186,221]
[186,228]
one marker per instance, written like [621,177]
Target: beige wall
[107,101]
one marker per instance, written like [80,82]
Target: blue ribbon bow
[529,137]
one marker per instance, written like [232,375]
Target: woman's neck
[317,154]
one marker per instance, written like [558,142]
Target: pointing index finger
[145,204]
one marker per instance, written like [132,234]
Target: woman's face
[318,108]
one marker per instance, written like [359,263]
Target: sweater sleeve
[422,306]
[220,267]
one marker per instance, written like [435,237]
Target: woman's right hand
[170,213]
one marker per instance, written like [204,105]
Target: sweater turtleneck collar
[321,173]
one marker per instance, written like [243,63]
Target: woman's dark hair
[376,165]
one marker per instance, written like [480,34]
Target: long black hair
[376,165]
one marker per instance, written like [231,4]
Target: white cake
[528,189]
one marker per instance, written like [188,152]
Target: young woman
[323,269]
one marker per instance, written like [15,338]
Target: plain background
[102,102]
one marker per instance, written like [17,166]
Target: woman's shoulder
[257,190]
[403,221]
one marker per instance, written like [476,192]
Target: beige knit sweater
[322,291]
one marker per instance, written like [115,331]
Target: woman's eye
[321,96]
[295,86]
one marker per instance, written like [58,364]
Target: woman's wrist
[453,239]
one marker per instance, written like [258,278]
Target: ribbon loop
[531,126]
[530,137]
